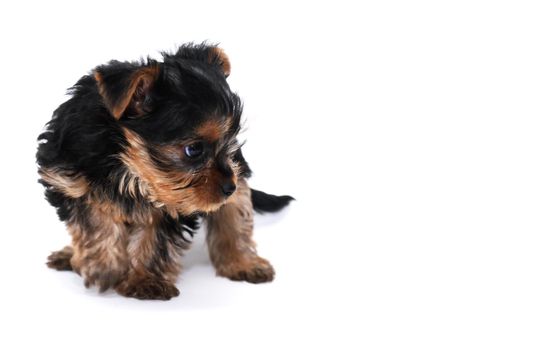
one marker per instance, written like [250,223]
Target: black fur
[138,154]
[84,138]
[264,202]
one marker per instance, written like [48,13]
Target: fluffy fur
[135,157]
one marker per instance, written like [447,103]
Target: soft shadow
[268,219]
[198,253]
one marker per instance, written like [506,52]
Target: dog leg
[230,244]
[99,253]
[154,262]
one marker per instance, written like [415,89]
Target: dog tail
[268,203]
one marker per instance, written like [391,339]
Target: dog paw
[61,260]
[104,280]
[148,289]
[257,270]
[99,276]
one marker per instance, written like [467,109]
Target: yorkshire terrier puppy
[135,157]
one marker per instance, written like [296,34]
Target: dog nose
[228,188]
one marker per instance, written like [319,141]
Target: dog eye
[194,150]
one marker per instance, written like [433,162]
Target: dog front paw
[148,289]
[256,270]
[103,279]
[61,260]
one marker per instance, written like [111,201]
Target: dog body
[132,161]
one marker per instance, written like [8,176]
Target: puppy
[138,154]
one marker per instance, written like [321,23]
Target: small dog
[135,157]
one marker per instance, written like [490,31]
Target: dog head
[179,120]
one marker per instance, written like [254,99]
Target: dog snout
[228,188]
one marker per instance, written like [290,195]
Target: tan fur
[132,185]
[142,79]
[61,260]
[221,56]
[230,244]
[71,185]
[141,281]
[176,192]
[212,130]
[141,248]
[100,255]
[123,237]
[115,250]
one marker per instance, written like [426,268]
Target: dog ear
[125,88]
[210,54]
[218,56]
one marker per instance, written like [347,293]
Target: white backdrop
[405,129]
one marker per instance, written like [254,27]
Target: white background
[405,129]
